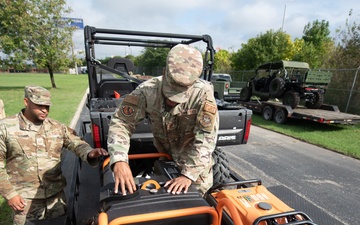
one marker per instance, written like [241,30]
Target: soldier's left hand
[97,152]
[178,184]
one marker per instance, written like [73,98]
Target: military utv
[290,81]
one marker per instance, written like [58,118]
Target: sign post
[78,24]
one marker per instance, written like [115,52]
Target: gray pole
[282,26]
[352,88]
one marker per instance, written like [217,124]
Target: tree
[222,61]
[152,59]
[16,25]
[317,44]
[347,53]
[34,30]
[271,46]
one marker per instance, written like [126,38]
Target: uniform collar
[25,124]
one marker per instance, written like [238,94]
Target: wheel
[291,98]
[276,87]
[221,171]
[315,101]
[245,94]
[268,112]
[280,116]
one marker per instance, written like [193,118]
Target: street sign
[74,22]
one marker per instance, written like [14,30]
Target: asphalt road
[326,182]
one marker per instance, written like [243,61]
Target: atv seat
[109,87]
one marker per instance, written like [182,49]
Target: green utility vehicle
[225,88]
[290,81]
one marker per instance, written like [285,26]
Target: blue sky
[229,22]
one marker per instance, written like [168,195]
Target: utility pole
[74,57]
[283,20]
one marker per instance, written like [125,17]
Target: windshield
[221,77]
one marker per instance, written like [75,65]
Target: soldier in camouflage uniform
[184,120]
[30,159]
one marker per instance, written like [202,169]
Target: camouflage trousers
[38,209]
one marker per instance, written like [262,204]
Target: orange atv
[236,203]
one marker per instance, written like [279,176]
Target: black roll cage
[101,36]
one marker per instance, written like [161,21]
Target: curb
[78,111]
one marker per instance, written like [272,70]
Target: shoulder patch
[127,110]
[132,99]
[208,107]
[206,120]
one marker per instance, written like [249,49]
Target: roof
[282,64]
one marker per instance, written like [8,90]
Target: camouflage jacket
[33,158]
[188,132]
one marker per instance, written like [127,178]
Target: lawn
[66,97]
[340,138]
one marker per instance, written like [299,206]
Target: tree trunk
[51,72]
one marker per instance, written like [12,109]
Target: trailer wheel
[315,101]
[280,116]
[291,98]
[221,169]
[268,113]
[277,87]
[245,94]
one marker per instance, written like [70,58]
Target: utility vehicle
[225,88]
[290,81]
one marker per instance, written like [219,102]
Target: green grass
[340,138]
[65,98]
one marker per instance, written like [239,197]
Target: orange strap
[141,156]
[166,215]
[103,218]
[154,182]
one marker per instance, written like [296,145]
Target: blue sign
[74,22]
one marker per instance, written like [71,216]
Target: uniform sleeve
[74,143]
[6,188]
[199,157]
[122,125]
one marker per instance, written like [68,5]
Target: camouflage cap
[38,95]
[184,65]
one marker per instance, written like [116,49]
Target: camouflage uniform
[188,132]
[33,160]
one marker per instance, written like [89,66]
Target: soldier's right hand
[17,203]
[123,177]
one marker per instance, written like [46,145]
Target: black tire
[280,116]
[245,94]
[291,98]
[268,113]
[277,87]
[316,101]
[221,169]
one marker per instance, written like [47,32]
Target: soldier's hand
[97,152]
[123,177]
[17,203]
[178,184]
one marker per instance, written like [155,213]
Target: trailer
[328,114]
